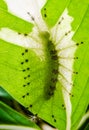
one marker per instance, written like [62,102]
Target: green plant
[44,58]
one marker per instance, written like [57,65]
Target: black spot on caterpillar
[25,34]
[55,120]
[45,12]
[45,15]
[22,63]
[26,60]
[22,54]
[28,75]
[26,50]
[23,96]
[27,94]
[28,68]
[52,116]
[28,83]
[30,105]
[24,85]
[44,8]
[25,77]
[33,19]
[23,70]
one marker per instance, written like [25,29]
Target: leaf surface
[26,67]
[9,116]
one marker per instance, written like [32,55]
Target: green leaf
[8,20]
[81,81]
[9,116]
[3,5]
[87,127]
[55,91]
[79,9]
[3,93]
[51,8]
[84,121]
